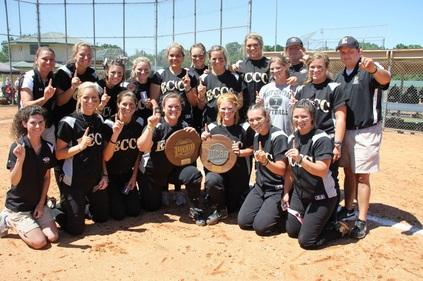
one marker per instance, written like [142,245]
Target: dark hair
[260,107]
[23,115]
[118,62]
[309,106]
[44,48]
[126,93]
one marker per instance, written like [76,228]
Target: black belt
[363,127]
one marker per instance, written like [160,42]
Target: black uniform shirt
[171,82]
[62,79]
[299,71]
[111,107]
[25,196]
[126,150]
[275,144]
[144,90]
[316,145]
[85,166]
[215,86]
[364,98]
[327,97]
[254,75]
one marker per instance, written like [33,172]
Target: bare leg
[350,188]
[51,232]
[363,192]
[34,238]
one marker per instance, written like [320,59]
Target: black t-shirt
[32,80]
[364,105]
[275,144]
[316,145]
[84,167]
[126,150]
[171,82]
[327,97]
[25,196]
[299,71]
[157,158]
[111,107]
[215,86]
[254,74]
[143,90]
[62,79]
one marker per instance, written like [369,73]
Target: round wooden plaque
[217,154]
[182,147]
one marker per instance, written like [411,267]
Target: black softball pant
[313,233]
[73,200]
[227,190]
[154,181]
[261,211]
[122,205]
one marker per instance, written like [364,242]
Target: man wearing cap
[294,50]
[362,81]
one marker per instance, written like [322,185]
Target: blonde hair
[81,89]
[176,46]
[282,60]
[317,56]
[136,62]
[76,47]
[227,97]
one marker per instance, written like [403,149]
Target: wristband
[301,159]
[188,89]
[150,127]
[112,142]
[267,162]
[375,70]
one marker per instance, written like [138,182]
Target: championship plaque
[182,147]
[217,154]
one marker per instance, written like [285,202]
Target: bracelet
[188,90]
[112,141]
[267,163]
[301,159]
[150,127]
[105,175]
[375,70]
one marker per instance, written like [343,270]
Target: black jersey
[142,91]
[126,150]
[171,82]
[364,105]
[275,144]
[85,166]
[316,145]
[25,196]
[62,79]
[299,71]
[254,75]
[157,158]
[197,72]
[237,132]
[32,80]
[327,97]
[215,86]
[111,107]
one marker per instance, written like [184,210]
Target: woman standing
[314,197]
[261,209]
[80,143]
[158,170]
[276,95]
[122,157]
[145,84]
[30,160]
[36,88]
[198,68]
[175,78]
[225,191]
[68,78]
[115,71]
[218,81]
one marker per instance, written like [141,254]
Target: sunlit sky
[385,23]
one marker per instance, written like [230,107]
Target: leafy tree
[271,48]
[4,53]
[234,50]
[370,46]
[411,46]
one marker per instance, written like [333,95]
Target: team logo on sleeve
[46,160]
[161,145]
[256,77]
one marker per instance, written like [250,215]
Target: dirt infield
[165,245]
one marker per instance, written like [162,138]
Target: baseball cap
[348,41]
[293,41]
